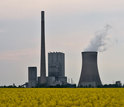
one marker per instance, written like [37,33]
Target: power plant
[89,73]
[56,67]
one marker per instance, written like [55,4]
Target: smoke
[100,41]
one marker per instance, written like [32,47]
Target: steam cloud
[99,42]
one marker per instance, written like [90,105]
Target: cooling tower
[89,73]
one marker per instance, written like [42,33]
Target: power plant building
[32,77]
[56,68]
[89,73]
[56,64]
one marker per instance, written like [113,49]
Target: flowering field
[61,97]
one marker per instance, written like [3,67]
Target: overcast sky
[70,25]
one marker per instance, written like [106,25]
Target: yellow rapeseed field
[61,97]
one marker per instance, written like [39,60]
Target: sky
[70,26]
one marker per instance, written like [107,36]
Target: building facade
[32,77]
[56,68]
[56,64]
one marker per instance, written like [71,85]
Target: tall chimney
[43,60]
[89,74]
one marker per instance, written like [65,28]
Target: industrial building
[56,72]
[32,77]
[56,65]
[56,69]
[89,74]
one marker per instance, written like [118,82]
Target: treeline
[57,86]
[65,86]
[111,86]
[12,86]
[104,86]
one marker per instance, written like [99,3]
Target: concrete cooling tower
[89,75]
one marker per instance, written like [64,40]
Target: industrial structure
[56,72]
[56,65]
[56,68]
[89,74]
[43,60]
[32,77]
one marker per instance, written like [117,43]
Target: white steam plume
[99,42]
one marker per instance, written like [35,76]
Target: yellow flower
[61,97]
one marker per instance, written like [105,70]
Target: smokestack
[43,60]
[89,74]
